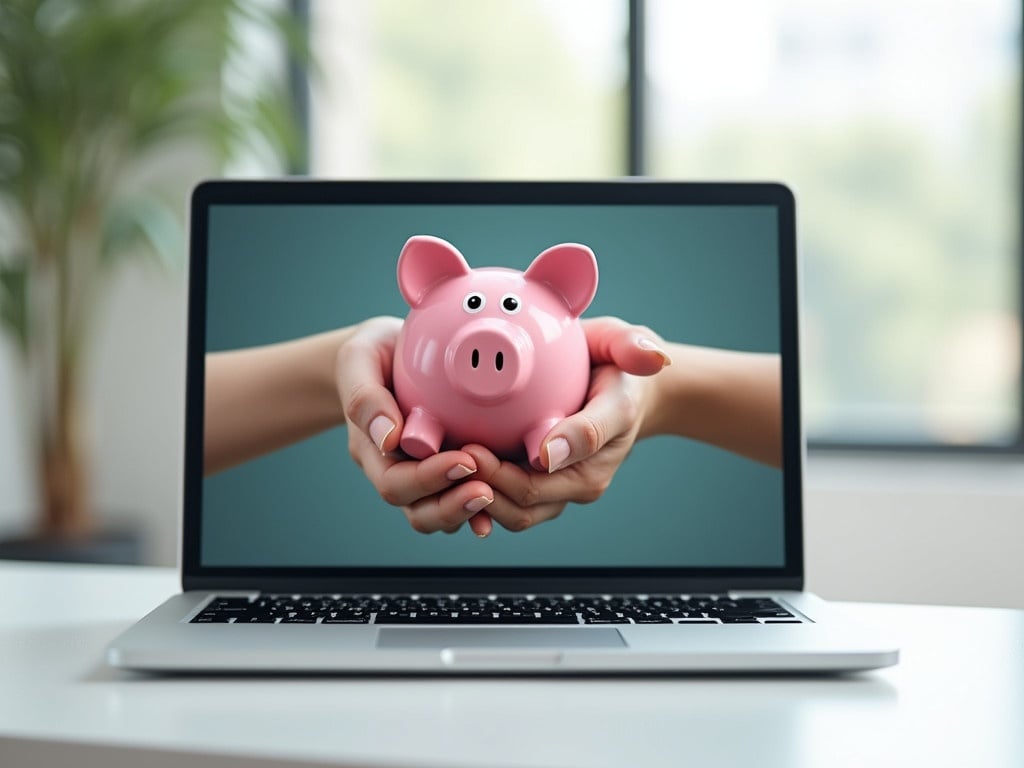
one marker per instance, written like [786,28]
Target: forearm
[728,399]
[263,398]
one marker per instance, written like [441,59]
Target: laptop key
[529,619]
[682,622]
[227,602]
[396,618]
[347,620]
[651,620]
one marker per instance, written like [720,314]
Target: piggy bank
[490,356]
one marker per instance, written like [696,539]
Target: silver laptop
[692,560]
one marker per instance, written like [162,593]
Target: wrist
[661,393]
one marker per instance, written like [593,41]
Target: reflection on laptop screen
[699,274]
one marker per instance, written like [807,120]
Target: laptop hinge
[485,585]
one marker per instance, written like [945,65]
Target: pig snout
[489,359]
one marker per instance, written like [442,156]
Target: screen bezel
[504,579]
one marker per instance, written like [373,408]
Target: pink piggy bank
[491,356]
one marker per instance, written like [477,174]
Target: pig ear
[426,261]
[570,269]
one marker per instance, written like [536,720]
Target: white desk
[956,698]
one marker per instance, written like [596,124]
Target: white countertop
[955,698]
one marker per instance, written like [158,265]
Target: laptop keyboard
[493,609]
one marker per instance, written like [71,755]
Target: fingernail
[649,346]
[380,428]
[475,505]
[459,471]
[558,453]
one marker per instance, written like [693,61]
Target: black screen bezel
[504,579]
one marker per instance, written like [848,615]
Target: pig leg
[533,440]
[422,434]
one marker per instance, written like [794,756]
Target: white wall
[890,528]
[138,391]
[17,484]
[912,529]
[134,393]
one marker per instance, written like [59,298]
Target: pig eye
[474,302]
[510,304]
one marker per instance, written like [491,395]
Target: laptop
[690,561]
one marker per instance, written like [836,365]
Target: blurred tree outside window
[897,124]
[469,88]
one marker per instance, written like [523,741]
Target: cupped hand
[582,452]
[439,493]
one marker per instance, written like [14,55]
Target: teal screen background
[704,275]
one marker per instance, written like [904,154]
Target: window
[469,88]
[898,125]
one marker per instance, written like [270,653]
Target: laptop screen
[702,265]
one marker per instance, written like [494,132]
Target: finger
[404,482]
[512,517]
[449,510]
[513,513]
[611,411]
[363,372]
[401,481]
[519,490]
[633,348]
[481,524]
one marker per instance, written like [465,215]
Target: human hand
[438,493]
[582,452]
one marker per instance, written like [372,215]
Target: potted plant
[90,90]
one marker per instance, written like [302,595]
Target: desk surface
[956,698]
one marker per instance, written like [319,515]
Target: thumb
[632,348]
[364,366]
[610,412]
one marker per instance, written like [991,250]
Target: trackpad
[499,637]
